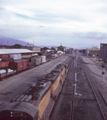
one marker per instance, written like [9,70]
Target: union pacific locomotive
[38,101]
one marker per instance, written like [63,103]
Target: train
[10,67]
[37,102]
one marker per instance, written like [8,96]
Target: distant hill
[11,41]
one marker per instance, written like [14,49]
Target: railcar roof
[22,107]
[40,92]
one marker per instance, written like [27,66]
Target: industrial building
[93,52]
[25,53]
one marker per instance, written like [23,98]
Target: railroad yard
[53,60]
[89,102]
[80,93]
[15,85]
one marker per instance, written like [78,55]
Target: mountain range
[11,41]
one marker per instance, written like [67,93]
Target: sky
[72,23]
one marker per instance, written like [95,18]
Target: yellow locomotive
[38,101]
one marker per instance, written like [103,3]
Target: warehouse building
[23,53]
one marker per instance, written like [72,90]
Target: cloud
[58,21]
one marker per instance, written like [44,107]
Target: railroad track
[102,104]
[63,96]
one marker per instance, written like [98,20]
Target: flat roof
[93,49]
[15,51]
[103,44]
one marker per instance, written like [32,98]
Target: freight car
[36,60]
[4,56]
[6,73]
[37,102]
[12,67]
[4,64]
[18,65]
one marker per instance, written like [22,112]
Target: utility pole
[76,56]
[103,72]
[33,43]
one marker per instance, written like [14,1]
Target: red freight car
[28,59]
[8,59]
[18,65]
[4,56]
[24,63]
[4,64]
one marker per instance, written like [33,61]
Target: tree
[52,48]
[17,46]
[45,48]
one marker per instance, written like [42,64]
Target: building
[83,51]
[61,48]
[69,51]
[103,51]
[25,53]
[35,48]
[93,52]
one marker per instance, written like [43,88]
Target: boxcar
[4,64]
[4,56]
[28,59]
[18,65]
[24,64]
